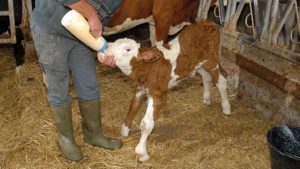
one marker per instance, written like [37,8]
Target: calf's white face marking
[123,50]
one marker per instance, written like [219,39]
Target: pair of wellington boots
[91,127]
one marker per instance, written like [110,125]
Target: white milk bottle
[79,27]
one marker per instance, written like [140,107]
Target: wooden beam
[273,78]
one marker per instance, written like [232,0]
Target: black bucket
[284,146]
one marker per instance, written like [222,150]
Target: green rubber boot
[91,126]
[63,121]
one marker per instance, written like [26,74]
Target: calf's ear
[149,55]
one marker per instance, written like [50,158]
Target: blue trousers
[58,56]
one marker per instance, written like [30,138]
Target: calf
[156,69]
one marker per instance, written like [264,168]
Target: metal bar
[228,12]
[297,15]
[252,19]
[221,11]
[203,8]
[295,40]
[264,33]
[282,21]
[257,20]
[294,45]
[233,8]
[4,13]
[237,14]
[275,49]
[6,41]
[274,12]
[289,27]
[12,21]
[29,7]
[200,10]
[206,9]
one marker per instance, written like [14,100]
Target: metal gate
[10,13]
[275,26]
[26,9]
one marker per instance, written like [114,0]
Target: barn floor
[188,134]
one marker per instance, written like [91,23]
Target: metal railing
[275,29]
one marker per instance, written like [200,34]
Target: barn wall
[265,81]
[268,99]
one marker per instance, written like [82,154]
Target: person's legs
[53,53]
[83,68]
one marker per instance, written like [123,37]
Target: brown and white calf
[156,69]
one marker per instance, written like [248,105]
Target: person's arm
[89,12]
[86,10]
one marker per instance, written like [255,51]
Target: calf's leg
[215,71]
[134,105]
[206,85]
[154,106]
[222,86]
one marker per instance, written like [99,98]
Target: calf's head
[123,50]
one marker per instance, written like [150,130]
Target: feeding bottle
[79,27]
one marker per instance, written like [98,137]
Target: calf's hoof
[124,130]
[226,108]
[227,113]
[207,102]
[141,153]
[143,157]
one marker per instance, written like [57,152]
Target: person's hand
[106,60]
[85,9]
[95,27]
